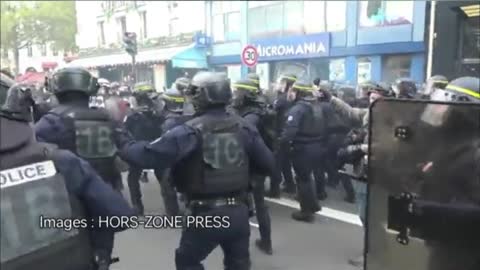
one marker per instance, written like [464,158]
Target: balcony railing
[157,43]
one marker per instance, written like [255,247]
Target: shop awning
[156,55]
[191,57]
[49,65]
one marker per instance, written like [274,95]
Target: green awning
[191,58]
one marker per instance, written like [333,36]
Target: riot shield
[423,208]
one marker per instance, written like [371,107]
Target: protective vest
[335,123]
[90,137]
[31,187]
[282,108]
[174,119]
[144,126]
[313,124]
[261,127]
[220,167]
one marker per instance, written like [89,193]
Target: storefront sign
[293,47]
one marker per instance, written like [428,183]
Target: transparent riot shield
[423,208]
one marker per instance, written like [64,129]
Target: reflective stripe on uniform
[464,90]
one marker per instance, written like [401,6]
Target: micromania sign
[293,47]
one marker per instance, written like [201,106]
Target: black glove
[325,95]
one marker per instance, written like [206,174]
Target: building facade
[169,37]
[349,41]
[456,43]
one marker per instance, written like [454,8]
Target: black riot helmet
[174,100]
[181,84]
[285,82]
[18,102]
[5,83]
[244,91]
[209,89]
[435,82]
[73,79]
[347,94]
[254,79]
[303,90]
[463,89]
[404,88]
[374,87]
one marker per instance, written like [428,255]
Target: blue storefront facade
[353,42]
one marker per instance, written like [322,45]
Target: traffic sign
[250,56]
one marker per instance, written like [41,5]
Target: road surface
[326,244]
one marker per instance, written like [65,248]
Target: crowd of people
[216,146]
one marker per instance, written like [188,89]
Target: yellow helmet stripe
[303,88]
[244,86]
[435,81]
[290,78]
[143,88]
[253,80]
[464,90]
[174,99]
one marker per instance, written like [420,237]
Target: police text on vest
[28,173]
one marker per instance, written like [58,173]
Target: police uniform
[174,106]
[281,106]
[245,104]
[211,157]
[143,124]
[39,179]
[305,132]
[75,127]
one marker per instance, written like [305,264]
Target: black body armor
[220,167]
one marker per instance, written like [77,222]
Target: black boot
[303,216]
[264,246]
[350,198]
[274,193]
[290,189]
[139,209]
[322,195]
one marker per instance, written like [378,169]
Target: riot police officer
[74,126]
[174,105]
[70,187]
[404,88]
[431,182]
[359,149]
[212,157]
[245,104]
[181,85]
[281,106]
[337,130]
[305,133]
[434,82]
[143,124]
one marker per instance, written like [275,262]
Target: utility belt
[307,140]
[202,205]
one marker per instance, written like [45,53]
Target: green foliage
[37,22]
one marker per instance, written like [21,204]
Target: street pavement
[324,245]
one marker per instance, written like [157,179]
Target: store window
[254,4]
[293,16]
[376,13]
[29,50]
[396,66]
[364,70]
[471,38]
[336,15]
[232,26]
[43,49]
[226,20]
[101,32]
[337,70]
[266,18]
[314,16]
